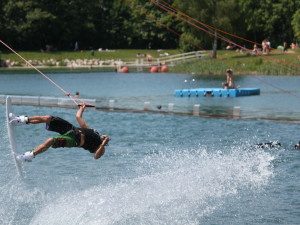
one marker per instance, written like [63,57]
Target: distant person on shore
[268,48]
[70,136]
[149,59]
[285,47]
[76,46]
[255,50]
[228,47]
[264,46]
[229,81]
[294,46]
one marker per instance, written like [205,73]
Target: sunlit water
[158,169]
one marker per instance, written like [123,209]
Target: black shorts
[60,125]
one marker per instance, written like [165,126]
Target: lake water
[158,169]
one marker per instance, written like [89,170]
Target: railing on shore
[140,62]
[110,107]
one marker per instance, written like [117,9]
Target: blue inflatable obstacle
[216,92]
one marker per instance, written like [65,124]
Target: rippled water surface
[158,169]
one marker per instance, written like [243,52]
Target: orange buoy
[164,69]
[124,69]
[153,69]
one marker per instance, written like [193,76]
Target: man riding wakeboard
[70,136]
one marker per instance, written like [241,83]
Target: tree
[296,24]
[146,32]
[32,24]
[269,19]
[221,14]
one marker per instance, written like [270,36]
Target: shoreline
[243,63]
[49,69]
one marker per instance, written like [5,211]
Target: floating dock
[216,92]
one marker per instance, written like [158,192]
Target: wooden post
[236,111]
[170,107]
[196,110]
[111,104]
[146,106]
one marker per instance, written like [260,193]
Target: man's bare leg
[28,156]
[47,144]
[43,147]
[39,119]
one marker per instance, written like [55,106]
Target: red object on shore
[153,69]
[164,69]
[125,70]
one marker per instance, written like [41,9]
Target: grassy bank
[242,63]
[105,55]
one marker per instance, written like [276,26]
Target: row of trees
[33,24]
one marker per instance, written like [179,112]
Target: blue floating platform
[216,92]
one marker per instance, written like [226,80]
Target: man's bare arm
[81,121]
[100,151]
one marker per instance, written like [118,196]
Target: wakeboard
[11,136]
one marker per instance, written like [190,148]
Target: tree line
[35,24]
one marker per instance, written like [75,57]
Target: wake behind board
[11,136]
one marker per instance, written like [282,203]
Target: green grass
[241,63]
[114,54]
[276,63]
